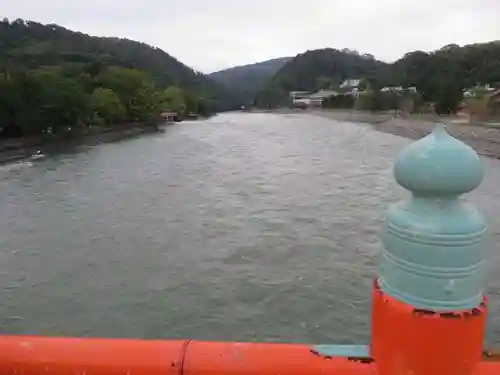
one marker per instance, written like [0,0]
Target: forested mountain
[29,45]
[442,75]
[57,81]
[439,76]
[249,79]
[308,71]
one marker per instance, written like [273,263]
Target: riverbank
[483,138]
[17,149]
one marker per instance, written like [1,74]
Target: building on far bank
[295,95]
[319,97]
[399,89]
[304,99]
[478,90]
[169,116]
[300,99]
[350,82]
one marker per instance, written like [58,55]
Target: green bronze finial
[438,164]
[432,244]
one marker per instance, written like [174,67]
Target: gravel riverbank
[485,139]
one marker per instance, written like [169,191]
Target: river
[240,227]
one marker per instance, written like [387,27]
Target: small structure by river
[170,116]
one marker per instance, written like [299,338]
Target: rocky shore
[484,138]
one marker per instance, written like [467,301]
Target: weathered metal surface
[348,351]
[425,341]
[492,356]
[432,255]
[66,356]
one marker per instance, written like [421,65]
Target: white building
[319,97]
[473,91]
[295,95]
[350,83]
[399,89]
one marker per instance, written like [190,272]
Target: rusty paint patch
[363,360]
[472,313]
[423,312]
[351,352]
[490,356]
[318,354]
[450,315]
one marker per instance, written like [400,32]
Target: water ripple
[241,227]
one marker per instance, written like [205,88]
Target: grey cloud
[214,34]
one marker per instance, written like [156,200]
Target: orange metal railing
[70,356]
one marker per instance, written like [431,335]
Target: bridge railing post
[428,312]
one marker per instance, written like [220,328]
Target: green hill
[442,75]
[439,76]
[28,45]
[249,79]
[316,69]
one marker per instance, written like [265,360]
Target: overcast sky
[209,35]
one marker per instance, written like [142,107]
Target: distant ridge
[249,79]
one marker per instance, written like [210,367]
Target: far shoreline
[483,138]
[17,149]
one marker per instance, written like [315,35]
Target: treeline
[27,46]
[376,100]
[74,97]
[440,77]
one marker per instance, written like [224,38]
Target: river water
[241,227]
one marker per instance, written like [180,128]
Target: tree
[324,83]
[32,45]
[191,102]
[61,102]
[53,80]
[145,104]
[448,98]
[363,84]
[105,105]
[136,91]
[173,99]
[11,104]
[206,106]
